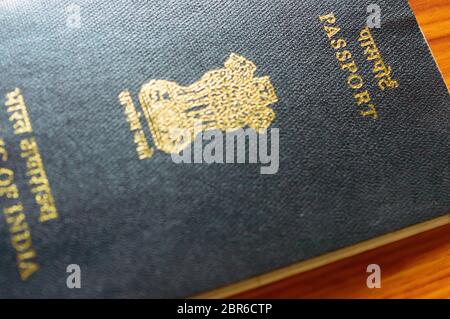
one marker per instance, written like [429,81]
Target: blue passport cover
[89,91]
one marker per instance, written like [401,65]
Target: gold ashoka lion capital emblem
[225,99]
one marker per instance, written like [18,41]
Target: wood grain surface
[434,19]
[416,267]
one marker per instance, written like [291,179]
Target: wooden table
[416,267]
[434,19]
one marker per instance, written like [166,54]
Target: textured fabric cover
[154,228]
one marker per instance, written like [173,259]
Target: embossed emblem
[225,99]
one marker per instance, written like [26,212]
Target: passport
[117,177]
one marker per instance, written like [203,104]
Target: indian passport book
[171,149]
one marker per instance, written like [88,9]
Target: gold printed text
[18,113]
[380,69]
[20,235]
[347,64]
[37,179]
